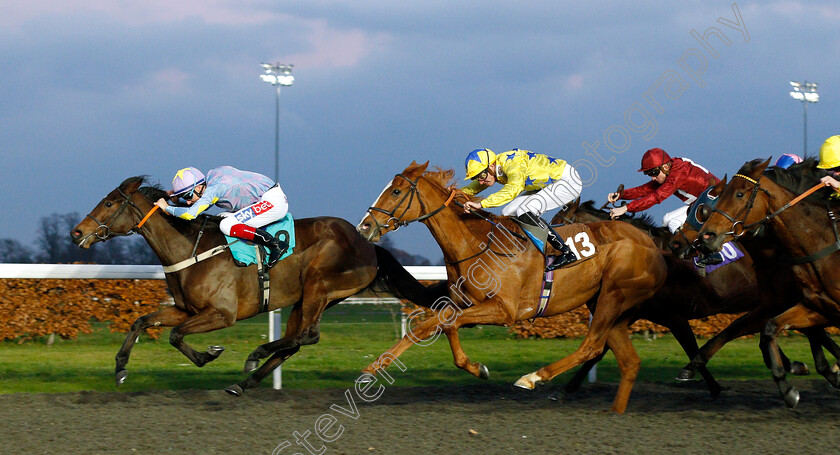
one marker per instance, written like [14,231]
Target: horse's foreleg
[748,323]
[818,338]
[424,333]
[629,364]
[165,317]
[460,357]
[798,318]
[682,332]
[574,384]
[206,320]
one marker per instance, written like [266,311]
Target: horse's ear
[761,167]
[718,187]
[416,169]
[131,184]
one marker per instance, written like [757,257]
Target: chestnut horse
[330,262]
[496,276]
[807,230]
[689,294]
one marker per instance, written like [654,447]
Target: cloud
[330,47]
[233,12]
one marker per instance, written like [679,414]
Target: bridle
[738,226]
[103,230]
[398,221]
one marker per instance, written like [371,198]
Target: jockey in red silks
[678,176]
[251,201]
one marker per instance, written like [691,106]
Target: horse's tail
[393,278]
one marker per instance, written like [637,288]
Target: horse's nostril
[75,234]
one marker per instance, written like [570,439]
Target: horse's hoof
[528,382]
[792,397]
[559,395]
[235,390]
[799,369]
[251,365]
[215,350]
[685,375]
[483,372]
[120,377]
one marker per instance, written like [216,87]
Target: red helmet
[654,158]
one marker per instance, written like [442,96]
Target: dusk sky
[95,91]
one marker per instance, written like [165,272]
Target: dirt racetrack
[748,418]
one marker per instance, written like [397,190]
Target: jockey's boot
[708,259]
[274,245]
[260,237]
[566,257]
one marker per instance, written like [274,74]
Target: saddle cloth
[579,238]
[245,253]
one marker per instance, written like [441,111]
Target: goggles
[653,172]
[481,175]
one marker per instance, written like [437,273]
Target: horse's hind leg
[165,317]
[206,320]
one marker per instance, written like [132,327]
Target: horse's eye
[108,203]
[395,192]
[739,194]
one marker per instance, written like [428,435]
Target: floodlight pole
[807,93]
[277,75]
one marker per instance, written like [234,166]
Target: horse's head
[115,215]
[396,205]
[741,203]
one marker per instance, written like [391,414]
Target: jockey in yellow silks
[533,184]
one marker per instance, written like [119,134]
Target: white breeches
[558,194]
[272,206]
[675,218]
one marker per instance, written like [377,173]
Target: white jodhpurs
[558,194]
[272,206]
[675,218]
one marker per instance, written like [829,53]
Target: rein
[103,232]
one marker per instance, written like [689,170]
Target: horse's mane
[641,221]
[154,191]
[445,178]
[798,178]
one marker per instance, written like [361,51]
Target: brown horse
[759,198]
[689,294]
[330,262]
[496,276]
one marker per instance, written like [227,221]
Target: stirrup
[561,261]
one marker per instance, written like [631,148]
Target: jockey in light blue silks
[254,200]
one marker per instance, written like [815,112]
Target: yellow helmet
[479,160]
[830,153]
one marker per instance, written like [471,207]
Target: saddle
[246,253]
